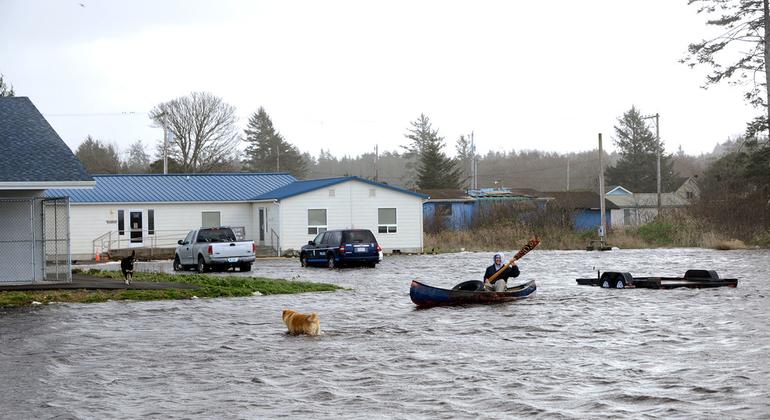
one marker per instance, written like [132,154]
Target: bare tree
[137,160]
[204,131]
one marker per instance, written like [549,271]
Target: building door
[136,236]
[262,225]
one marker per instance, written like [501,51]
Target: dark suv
[335,248]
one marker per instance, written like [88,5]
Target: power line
[96,114]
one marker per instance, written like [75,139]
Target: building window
[386,221]
[444,209]
[690,195]
[150,222]
[210,219]
[331,192]
[316,221]
[121,223]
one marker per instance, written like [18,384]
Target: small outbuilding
[34,227]
[306,208]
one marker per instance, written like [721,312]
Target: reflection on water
[570,351]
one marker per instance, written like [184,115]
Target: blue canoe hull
[426,296]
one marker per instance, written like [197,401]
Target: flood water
[568,352]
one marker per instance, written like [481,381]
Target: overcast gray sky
[346,75]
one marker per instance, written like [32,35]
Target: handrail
[159,239]
[100,239]
[275,244]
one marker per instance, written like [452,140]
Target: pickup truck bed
[211,248]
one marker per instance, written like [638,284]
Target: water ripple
[569,352]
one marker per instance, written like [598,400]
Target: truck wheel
[302,260]
[246,267]
[620,284]
[605,284]
[202,267]
[177,264]
[332,264]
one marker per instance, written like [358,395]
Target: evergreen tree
[5,90]
[268,151]
[98,157]
[434,168]
[636,169]
[743,47]
[465,155]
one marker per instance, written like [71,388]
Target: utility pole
[474,165]
[568,173]
[603,226]
[658,150]
[162,118]
[165,150]
[376,157]
[278,157]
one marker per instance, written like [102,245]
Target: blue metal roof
[31,149]
[154,188]
[301,187]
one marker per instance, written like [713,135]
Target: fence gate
[34,240]
[56,240]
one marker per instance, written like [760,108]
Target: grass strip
[208,287]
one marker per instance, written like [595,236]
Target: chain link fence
[34,240]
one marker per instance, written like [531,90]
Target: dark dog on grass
[127,267]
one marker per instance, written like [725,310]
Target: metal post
[657,140]
[603,226]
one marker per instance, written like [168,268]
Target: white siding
[617,219]
[89,221]
[352,206]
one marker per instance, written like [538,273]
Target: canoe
[425,296]
[694,279]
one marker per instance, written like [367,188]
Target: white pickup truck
[211,248]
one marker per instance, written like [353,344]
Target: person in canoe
[500,284]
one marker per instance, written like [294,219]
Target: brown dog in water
[298,323]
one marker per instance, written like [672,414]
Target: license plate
[232,260]
[361,249]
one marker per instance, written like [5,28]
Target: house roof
[581,199]
[301,187]
[618,190]
[154,188]
[447,194]
[33,155]
[497,193]
[648,200]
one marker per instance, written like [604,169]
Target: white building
[34,242]
[636,209]
[305,208]
[275,210]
